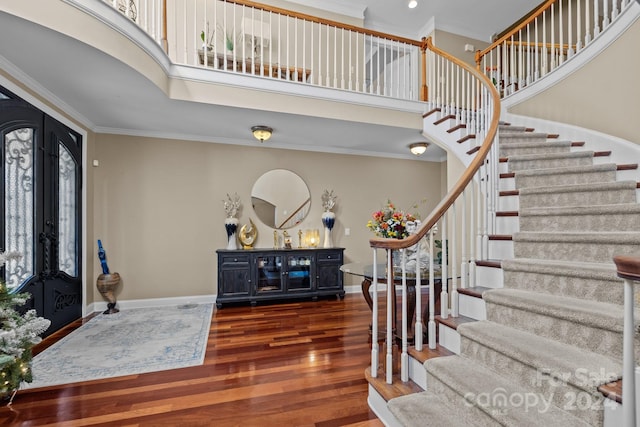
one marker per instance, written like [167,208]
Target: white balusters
[404,356]
[374,318]
[444,295]
[431,329]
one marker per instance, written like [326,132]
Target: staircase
[551,332]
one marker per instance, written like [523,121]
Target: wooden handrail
[544,6]
[628,267]
[467,176]
[328,22]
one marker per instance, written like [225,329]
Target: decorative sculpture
[231,207]
[248,235]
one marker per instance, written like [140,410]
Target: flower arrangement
[18,334]
[390,222]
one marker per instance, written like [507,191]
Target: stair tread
[558,359]
[473,381]
[474,291]
[454,322]
[426,353]
[606,167]
[628,208]
[607,316]
[605,186]
[493,263]
[612,390]
[621,237]
[549,156]
[580,269]
[390,391]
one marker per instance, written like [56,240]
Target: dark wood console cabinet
[267,274]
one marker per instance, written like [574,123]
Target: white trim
[379,407]
[100,306]
[351,8]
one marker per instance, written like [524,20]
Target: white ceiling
[108,96]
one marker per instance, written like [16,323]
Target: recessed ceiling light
[413,4]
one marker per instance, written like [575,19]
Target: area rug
[130,342]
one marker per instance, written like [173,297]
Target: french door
[41,210]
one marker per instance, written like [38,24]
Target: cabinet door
[299,272]
[269,274]
[329,275]
[235,276]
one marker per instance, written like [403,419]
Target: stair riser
[536,380]
[508,203]
[500,249]
[489,277]
[521,165]
[564,179]
[472,307]
[583,336]
[608,291]
[449,338]
[507,224]
[577,198]
[572,251]
[507,184]
[596,222]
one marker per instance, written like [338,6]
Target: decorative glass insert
[19,206]
[67,209]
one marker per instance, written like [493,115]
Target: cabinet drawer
[234,259]
[333,256]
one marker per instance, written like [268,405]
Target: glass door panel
[298,272]
[68,239]
[19,205]
[269,274]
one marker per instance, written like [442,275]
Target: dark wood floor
[294,364]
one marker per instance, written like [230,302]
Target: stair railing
[628,268]
[463,95]
[250,38]
[551,35]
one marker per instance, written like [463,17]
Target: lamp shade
[262,133]
[418,148]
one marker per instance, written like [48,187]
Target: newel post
[424,89]
[165,41]
[628,269]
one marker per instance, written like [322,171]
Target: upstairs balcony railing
[545,40]
[246,37]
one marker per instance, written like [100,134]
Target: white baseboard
[154,302]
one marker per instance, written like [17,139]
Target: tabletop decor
[18,334]
[328,217]
[231,207]
[390,222]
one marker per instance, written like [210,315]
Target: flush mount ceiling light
[262,133]
[412,4]
[417,148]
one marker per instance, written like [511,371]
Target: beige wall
[603,95]
[454,44]
[158,204]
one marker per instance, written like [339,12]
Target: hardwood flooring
[295,364]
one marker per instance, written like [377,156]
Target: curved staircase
[553,328]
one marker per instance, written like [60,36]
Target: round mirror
[280,198]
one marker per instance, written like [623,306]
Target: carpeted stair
[553,334]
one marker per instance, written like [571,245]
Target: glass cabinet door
[298,272]
[269,274]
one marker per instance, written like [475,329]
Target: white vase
[231,225]
[328,219]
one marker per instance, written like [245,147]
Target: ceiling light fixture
[262,133]
[412,4]
[418,148]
